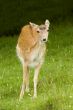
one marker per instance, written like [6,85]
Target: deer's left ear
[33,25]
[47,23]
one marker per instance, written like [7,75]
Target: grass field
[55,86]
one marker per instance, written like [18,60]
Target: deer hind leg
[37,70]
[25,83]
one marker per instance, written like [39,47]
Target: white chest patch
[36,57]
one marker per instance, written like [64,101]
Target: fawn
[31,49]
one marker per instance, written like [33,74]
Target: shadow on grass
[47,106]
[9,94]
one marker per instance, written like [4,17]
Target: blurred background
[16,13]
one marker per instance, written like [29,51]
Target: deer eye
[38,31]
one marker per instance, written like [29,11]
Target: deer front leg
[37,70]
[25,84]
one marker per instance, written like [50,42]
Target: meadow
[55,86]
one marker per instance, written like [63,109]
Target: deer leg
[37,70]
[27,80]
[25,84]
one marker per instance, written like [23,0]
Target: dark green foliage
[16,13]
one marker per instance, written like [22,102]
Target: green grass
[55,86]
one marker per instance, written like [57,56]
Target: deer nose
[44,39]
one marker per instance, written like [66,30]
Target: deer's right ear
[47,23]
[33,25]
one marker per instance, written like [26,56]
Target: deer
[31,49]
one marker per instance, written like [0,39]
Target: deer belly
[34,63]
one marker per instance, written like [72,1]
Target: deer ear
[33,25]
[47,23]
